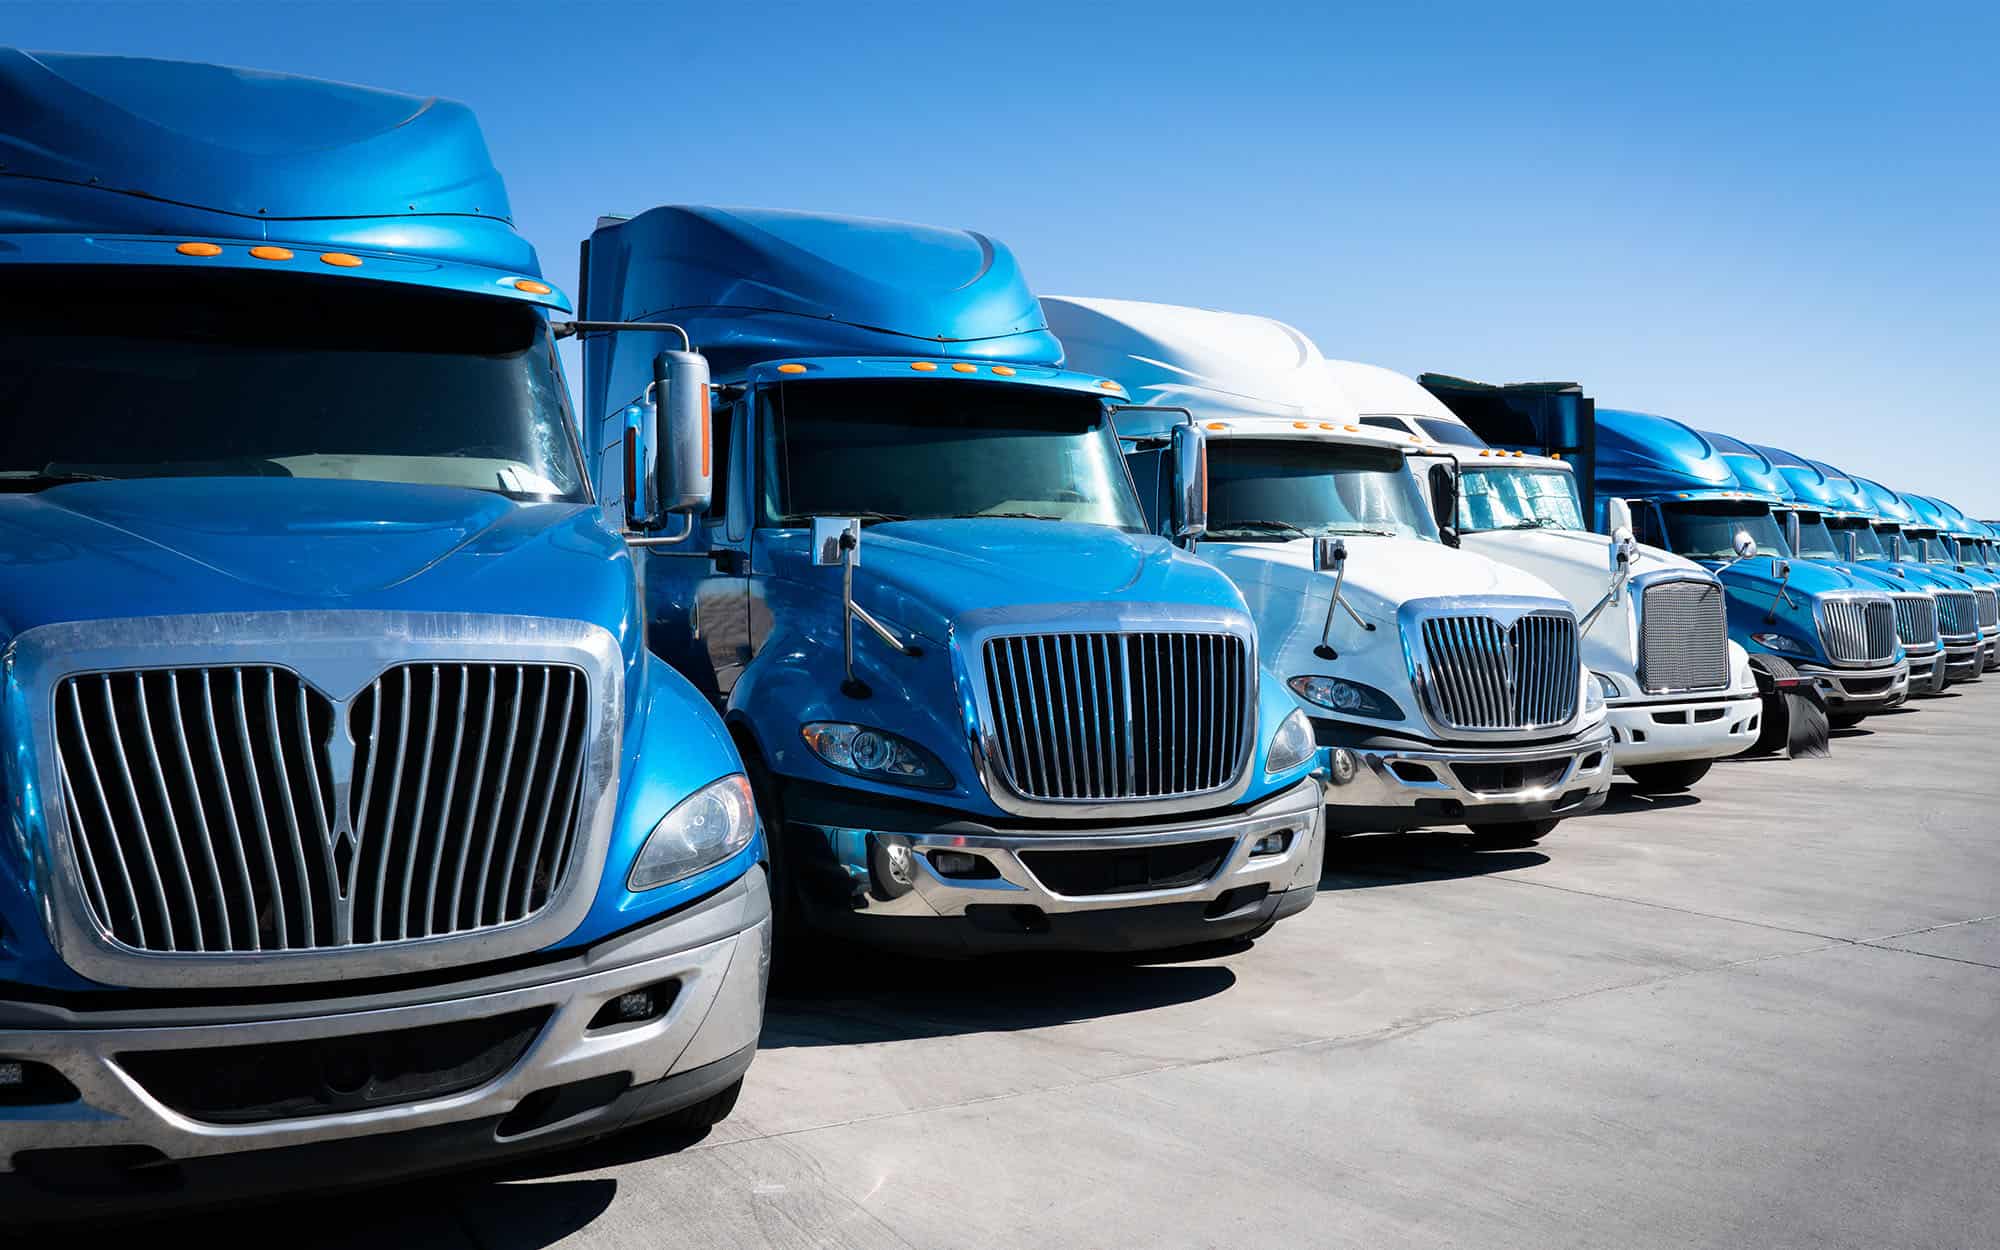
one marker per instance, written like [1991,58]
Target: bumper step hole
[1242,898]
[1418,773]
[559,1104]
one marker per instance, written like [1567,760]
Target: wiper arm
[1360,529]
[1283,527]
[866,518]
[1017,516]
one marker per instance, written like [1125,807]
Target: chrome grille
[1916,621]
[1119,716]
[1989,607]
[1958,614]
[1858,630]
[1683,637]
[221,810]
[1486,675]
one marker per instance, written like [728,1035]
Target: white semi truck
[1655,633]
[1445,688]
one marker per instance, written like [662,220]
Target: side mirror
[1188,517]
[1792,530]
[1746,546]
[678,474]
[833,537]
[1783,568]
[1618,517]
[1444,496]
[1624,548]
[1328,553]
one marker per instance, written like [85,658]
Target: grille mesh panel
[1958,614]
[202,803]
[1916,621]
[1989,607]
[1683,637]
[1118,716]
[1858,630]
[1484,675]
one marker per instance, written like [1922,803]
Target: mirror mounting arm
[1334,554]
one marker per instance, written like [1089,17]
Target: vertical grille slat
[1860,630]
[1958,615]
[1989,607]
[1916,621]
[1109,717]
[1481,674]
[203,813]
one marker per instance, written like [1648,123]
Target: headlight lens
[1785,644]
[704,829]
[1342,695]
[1292,745]
[1593,693]
[874,754]
[1606,687]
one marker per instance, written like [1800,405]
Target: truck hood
[164,546]
[1382,573]
[925,574]
[1809,577]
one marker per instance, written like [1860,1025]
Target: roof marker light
[1352,429]
[923,366]
[1326,425]
[1005,371]
[791,368]
[199,249]
[340,260]
[267,252]
[532,287]
[1106,384]
[1555,455]
[1301,425]
[961,368]
[1218,425]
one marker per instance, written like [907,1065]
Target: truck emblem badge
[1510,666]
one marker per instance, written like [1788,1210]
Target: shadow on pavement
[1625,800]
[867,996]
[1374,859]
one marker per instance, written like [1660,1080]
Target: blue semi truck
[983,708]
[1936,538]
[1820,524]
[1906,536]
[352,831]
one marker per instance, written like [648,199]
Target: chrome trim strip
[340,654]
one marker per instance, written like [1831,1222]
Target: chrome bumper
[1665,730]
[715,1014]
[1965,660]
[1397,787]
[1989,639]
[1927,674]
[897,875]
[1860,689]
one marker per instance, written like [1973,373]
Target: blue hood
[161,546]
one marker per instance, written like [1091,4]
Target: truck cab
[1821,523]
[1655,634]
[983,706]
[1444,687]
[353,833]
[1830,625]
[1901,533]
[1946,549]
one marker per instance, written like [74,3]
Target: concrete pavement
[1767,1013]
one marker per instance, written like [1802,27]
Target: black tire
[1774,721]
[1845,720]
[788,919]
[705,1114]
[1668,778]
[1508,833]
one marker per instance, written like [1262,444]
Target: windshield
[1885,533]
[1932,547]
[936,448]
[1867,543]
[1816,541]
[108,372]
[1707,531]
[1517,498]
[1449,432]
[1268,489]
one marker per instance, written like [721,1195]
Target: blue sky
[1777,220]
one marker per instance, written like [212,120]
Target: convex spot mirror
[1746,546]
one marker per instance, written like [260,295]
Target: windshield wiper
[1360,529]
[1018,516]
[866,518]
[1281,527]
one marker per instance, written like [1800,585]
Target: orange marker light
[267,252]
[965,368]
[199,249]
[923,366]
[791,368]
[1218,425]
[1005,371]
[1326,425]
[1300,425]
[340,260]
[1108,386]
[531,286]
[1352,429]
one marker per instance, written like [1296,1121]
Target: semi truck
[1655,635]
[1445,688]
[1903,533]
[352,831]
[1821,524]
[1950,546]
[983,708]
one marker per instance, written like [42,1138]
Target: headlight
[1606,687]
[1342,695]
[874,754]
[704,829]
[1593,693]
[1292,745]
[1783,643]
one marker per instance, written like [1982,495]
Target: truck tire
[1668,778]
[787,913]
[1509,833]
[1776,731]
